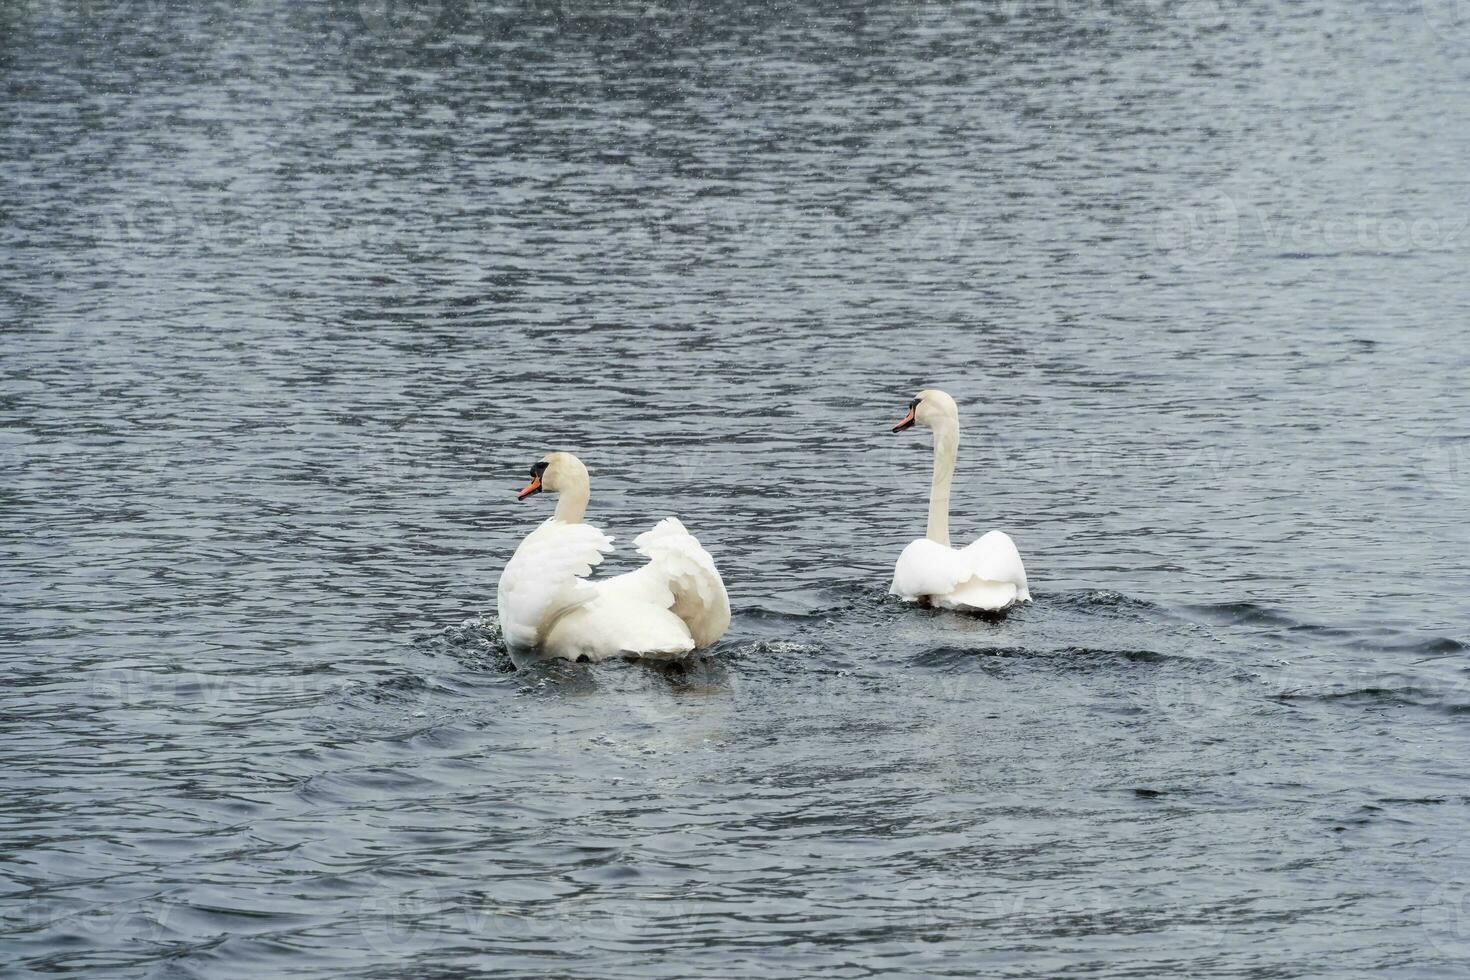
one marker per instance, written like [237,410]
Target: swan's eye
[914,404]
[537,469]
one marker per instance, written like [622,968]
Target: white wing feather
[686,573]
[544,579]
[987,575]
[994,558]
[928,568]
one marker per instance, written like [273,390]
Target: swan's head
[554,473]
[930,407]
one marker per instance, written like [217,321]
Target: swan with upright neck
[675,603]
[986,576]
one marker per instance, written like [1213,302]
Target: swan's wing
[619,621]
[681,576]
[544,579]
[928,568]
[987,575]
[994,558]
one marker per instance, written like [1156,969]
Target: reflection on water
[293,293]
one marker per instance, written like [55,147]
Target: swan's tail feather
[698,591]
[994,558]
[985,595]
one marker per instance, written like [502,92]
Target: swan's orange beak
[908,420]
[533,487]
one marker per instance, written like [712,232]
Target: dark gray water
[293,294]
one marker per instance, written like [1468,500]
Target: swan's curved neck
[571,504]
[946,445]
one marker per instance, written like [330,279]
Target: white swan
[988,575]
[671,605]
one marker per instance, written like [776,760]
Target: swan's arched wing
[928,568]
[987,575]
[994,558]
[681,576]
[544,579]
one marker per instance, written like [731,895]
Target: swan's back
[673,604]
[987,575]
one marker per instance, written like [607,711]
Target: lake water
[293,295]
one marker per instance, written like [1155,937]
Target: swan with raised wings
[673,604]
[986,576]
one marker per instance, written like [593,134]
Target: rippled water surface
[293,294]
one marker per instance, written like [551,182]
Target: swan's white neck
[571,504]
[946,445]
